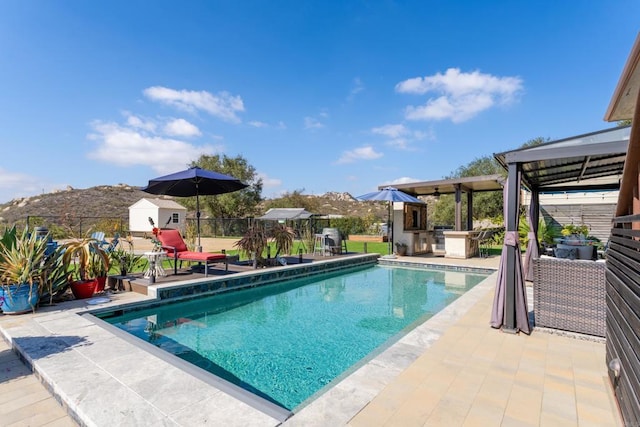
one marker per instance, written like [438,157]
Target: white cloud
[362,153]
[126,146]
[356,88]
[17,184]
[181,127]
[399,143]
[311,123]
[139,123]
[223,105]
[257,124]
[268,182]
[462,95]
[281,125]
[391,131]
[401,180]
[400,136]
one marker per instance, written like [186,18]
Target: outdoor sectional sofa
[570,295]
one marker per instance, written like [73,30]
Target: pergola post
[469,210]
[458,224]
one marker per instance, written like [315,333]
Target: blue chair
[99,236]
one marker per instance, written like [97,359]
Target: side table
[155,266]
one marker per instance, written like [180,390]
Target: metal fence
[67,226]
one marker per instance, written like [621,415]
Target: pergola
[456,186]
[593,161]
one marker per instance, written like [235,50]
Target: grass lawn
[358,247]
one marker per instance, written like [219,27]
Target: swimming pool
[287,341]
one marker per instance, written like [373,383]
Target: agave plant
[79,255]
[21,258]
[253,243]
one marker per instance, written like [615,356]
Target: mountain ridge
[113,201]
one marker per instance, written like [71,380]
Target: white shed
[165,214]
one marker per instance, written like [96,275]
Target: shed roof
[275,214]
[592,161]
[160,203]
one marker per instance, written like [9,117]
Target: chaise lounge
[176,248]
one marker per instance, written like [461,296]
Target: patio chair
[176,248]
[99,236]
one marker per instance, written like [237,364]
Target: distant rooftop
[275,214]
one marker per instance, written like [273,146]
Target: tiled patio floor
[472,375]
[478,376]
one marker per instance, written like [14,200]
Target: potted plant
[253,243]
[22,265]
[77,258]
[401,248]
[126,262]
[99,270]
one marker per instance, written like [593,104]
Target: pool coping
[83,365]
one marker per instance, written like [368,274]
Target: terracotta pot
[82,289]
[101,281]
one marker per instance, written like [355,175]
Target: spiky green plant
[78,256]
[253,243]
[22,258]
[283,238]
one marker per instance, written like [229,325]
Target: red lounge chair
[176,248]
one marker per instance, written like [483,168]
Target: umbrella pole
[198,222]
[389,228]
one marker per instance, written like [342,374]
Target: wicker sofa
[570,295]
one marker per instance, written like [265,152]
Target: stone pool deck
[452,370]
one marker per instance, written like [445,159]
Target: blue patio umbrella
[389,194]
[196,182]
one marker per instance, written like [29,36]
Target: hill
[114,201]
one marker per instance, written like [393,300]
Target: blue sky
[321,96]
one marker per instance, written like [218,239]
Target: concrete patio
[452,370]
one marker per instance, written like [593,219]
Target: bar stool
[320,244]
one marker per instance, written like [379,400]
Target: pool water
[286,341]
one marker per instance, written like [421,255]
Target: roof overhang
[449,186]
[624,99]
[592,161]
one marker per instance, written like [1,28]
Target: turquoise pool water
[286,341]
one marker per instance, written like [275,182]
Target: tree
[238,204]
[486,205]
[295,199]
